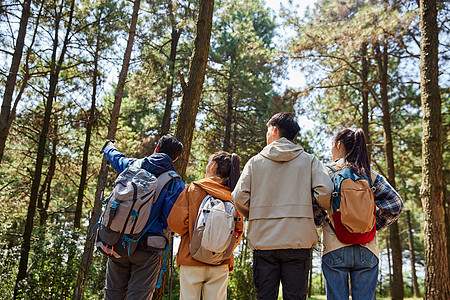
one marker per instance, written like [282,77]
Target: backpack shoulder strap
[137,164]
[163,180]
[331,168]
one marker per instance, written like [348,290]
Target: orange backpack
[353,207]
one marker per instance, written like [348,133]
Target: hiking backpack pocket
[214,237]
[127,211]
[353,207]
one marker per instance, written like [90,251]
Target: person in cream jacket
[275,193]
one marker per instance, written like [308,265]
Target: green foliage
[240,282]
[240,94]
[53,262]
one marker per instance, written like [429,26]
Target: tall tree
[175,37]
[98,41]
[184,128]
[5,114]
[240,91]
[365,94]
[89,246]
[432,190]
[56,66]
[412,256]
[46,186]
[381,57]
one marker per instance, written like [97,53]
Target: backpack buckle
[334,194]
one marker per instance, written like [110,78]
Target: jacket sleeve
[178,219]
[388,201]
[173,192]
[321,184]
[241,193]
[118,160]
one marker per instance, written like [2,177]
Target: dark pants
[291,266]
[133,277]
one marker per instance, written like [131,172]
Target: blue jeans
[360,263]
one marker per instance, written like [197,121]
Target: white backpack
[213,238]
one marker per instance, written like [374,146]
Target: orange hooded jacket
[183,215]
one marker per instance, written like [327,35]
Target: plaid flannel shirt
[387,200]
[320,215]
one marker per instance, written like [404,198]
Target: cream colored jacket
[275,193]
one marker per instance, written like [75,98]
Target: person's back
[202,278]
[135,276]
[280,200]
[275,193]
[357,266]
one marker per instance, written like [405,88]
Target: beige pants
[211,282]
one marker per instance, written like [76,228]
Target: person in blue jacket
[135,276]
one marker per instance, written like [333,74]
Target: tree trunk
[89,246]
[185,124]
[54,74]
[5,113]
[397,274]
[432,190]
[27,75]
[447,212]
[412,256]
[365,95]
[87,143]
[42,208]
[228,118]
[388,247]
[169,91]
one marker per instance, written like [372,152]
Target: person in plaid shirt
[360,261]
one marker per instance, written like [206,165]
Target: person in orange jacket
[196,278]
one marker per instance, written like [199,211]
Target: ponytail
[235,171]
[228,167]
[356,150]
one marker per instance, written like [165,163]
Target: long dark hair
[356,150]
[228,167]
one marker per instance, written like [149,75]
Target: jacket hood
[281,150]
[158,163]
[215,188]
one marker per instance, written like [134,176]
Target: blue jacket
[156,164]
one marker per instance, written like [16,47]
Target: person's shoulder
[307,156]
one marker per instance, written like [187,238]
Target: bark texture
[5,114]
[432,191]
[192,90]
